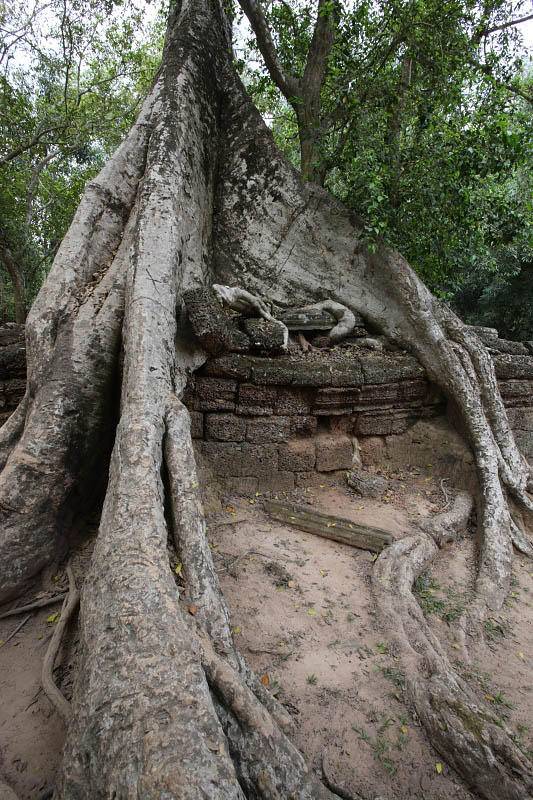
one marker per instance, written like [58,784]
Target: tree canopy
[416,114]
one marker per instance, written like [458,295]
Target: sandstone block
[225,427]
[303,426]
[366,484]
[292,401]
[265,335]
[333,452]
[214,394]
[297,456]
[277,482]
[256,400]
[243,486]
[268,429]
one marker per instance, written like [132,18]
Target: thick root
[468,735]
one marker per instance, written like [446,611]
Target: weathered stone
[232,459]
[297,456]
[319,479]
[287,371]
[333,452]
[509,347]
[366,484]
[244,486]
[335,400]
[235,366]
[255,400]
[513,367]
[379,368]
[277,482]
[414,390]
[374,423]
[257,460]
[197,424]
[436,447]
[214,394]
[268,429]
[11,332]
[516,392]
[347,372]
[13,361]
[310,319]
[265,335]
[225,427]
[303,426]
[487,335]
[210,325]
[372,450]
[378,394]
[340,424]
[292,401]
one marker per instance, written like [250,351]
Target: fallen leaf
[229,508]
[490,697]
[53,617]
[323,572]
[291,584]
[251,502]
[374,557]
[192,610]
[311,611]
[522,656]
[438,767]
[178,568]
[403,729]
[236,629]
[265,680]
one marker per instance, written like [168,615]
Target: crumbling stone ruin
[268,420]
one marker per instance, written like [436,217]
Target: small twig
[258,651]
[444,492]
[277,557]
[69,606]
[44,640]
[330,783]
[45,601]
[17,629]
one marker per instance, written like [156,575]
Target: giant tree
[164,705]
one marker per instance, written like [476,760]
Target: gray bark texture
[164,705]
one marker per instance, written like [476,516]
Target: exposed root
[467,734]
[47,680]
[331,784]
[522,544]
[269,766]
[45,601]
[444,527]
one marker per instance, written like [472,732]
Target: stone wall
[12,368]
[274,424]
[263,424]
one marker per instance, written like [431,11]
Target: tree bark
[164,705]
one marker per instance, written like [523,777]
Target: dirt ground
[304,617]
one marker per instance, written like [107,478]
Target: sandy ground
[304,617]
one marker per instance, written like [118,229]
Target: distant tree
[73,75]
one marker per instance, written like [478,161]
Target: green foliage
[425,129]
[73,76]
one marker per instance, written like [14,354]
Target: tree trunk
[164,705]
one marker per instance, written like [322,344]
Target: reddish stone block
[225,427]
[297,456]
[268,429]
[333,453]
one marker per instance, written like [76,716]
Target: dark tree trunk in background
[164,705]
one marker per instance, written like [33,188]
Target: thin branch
[288,84]
[17,629]
[42,603]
